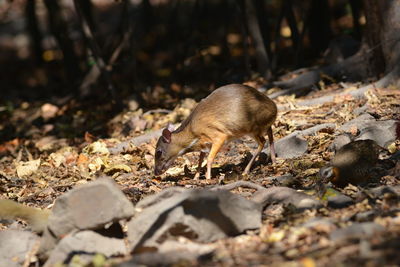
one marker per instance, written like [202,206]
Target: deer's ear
[170,127]
[166,135]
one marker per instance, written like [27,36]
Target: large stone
[14,246]
[340,201]
[200,215]
[286,195]
[170,253]
[356,231]
[382,132]
[90,206]
[85,244]
[294,144]
[291,146]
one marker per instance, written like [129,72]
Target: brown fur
[229,112]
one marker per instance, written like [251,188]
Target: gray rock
[285,195]
[340,201]
[340,141]
[362,121]
[85,244]
[294,144]
[171,252]
[384,189]
[89,206]
[383,133]
[365,216]
[291,146]
[286,180]
[361,110]
[14,246]
[320,224]
[356,231]
[201,215]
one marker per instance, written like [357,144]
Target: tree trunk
[59,29]
[319,29]
[263,62]
[34,32]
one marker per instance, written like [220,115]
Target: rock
[361,110]
[382,133]
[365,216]
[385,189]
[379,191]
[200,215]
[362,121]
[340,141]
[285,195]
[319,224]
[340,201]
[90,206]
[294,144]
[291,146]
[14,246]
[171,252]
[286,180]
[85,244]
[356,231]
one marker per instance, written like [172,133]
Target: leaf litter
[41,167]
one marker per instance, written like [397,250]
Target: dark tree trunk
[58,28]
[379,52]
[262,59]
[34,32]
[87,8]
[318,25]
[356,6]
[262,16]
[373,35]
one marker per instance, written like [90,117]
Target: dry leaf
[116,168]
[26,168]
[48,111]
[98,147]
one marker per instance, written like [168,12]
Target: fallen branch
[237,184]
[154,199]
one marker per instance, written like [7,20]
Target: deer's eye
[158,154]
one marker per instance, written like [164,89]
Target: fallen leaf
[307,262]
[57,159]
[96,165]
[26,168]
[98,147]
[116,168]
[82,159]
[48,111]
[276,236]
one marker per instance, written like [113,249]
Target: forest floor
[39,166]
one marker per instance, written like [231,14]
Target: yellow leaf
[116,168]
[307,262]
[276,236]
[26,168]
[98,147]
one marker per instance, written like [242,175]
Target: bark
[263,62]
[96,52]
[319,30]
[34,32]
[379,53]
[58,27]
[373,36]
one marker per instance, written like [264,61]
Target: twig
[154,199]
[95,49]
[237,184]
